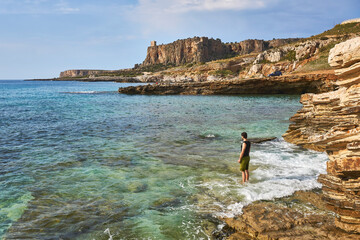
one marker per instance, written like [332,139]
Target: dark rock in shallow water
[260,140]
[166,202]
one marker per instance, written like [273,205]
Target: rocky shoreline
[330,122]
[327,122]
[302,215]
[290,84]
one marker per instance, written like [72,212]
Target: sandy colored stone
[345,54]
[203,49]
[300,216]
[331,122]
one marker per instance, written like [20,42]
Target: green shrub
[319,64]
[327,48]
[290,56]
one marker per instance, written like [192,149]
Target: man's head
[244,135]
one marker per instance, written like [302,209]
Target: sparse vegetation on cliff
[222,73]
[341,29]
[290,56]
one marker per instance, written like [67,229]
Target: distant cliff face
[203,49]
[79,73]
[248,46]
[197,49]
[93,73]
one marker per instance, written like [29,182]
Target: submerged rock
[166,202]
[137,187]
[261,140]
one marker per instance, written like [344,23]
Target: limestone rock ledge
[294,84]
[331,122]
[300,216]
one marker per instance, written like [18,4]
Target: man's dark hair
[244,134]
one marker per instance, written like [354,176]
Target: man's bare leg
[247,175]
[243,177]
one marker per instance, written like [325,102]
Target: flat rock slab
[300,216]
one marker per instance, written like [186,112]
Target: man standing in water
[244,158]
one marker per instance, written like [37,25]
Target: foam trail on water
[89,92]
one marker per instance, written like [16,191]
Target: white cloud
[170,15]
[63,7]
[36,7]
[179,6]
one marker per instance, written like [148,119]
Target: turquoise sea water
[78,158]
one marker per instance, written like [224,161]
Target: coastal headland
[328,121]
[289,84]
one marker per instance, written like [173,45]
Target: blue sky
[41,38]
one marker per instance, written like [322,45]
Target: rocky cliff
[203,49]
[331,122]
[80,73]
[91,73]
[197,49]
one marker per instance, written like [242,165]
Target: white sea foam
[279,169]
[83,92]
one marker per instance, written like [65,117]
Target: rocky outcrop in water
[331,122]
[203,49]
[295,84]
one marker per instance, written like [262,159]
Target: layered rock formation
[203,49]
[331,122]
[295,84]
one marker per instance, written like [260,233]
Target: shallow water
[78,158]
